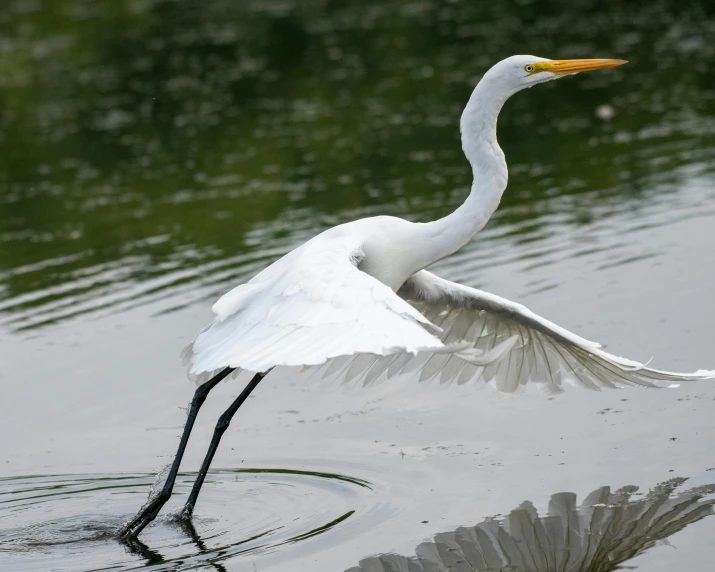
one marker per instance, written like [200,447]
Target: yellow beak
[563,67]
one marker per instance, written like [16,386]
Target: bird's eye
[529,68]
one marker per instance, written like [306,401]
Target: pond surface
[153,154]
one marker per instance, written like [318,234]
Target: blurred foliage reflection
[157,148]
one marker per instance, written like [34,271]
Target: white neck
[479,142]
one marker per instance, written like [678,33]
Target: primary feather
[543,353]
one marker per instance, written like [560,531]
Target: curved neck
[479,143]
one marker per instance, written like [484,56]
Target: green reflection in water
[142,142]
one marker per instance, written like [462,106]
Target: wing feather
[312,305]
[517,347]
[315,308]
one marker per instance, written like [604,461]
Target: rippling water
[50,518]
[154,153]
[162,151]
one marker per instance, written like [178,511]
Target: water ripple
[254,510]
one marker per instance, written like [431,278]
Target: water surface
[155,153]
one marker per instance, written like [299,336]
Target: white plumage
[355,303]
[311,305]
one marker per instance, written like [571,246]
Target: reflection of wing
[605,531]
[543,353]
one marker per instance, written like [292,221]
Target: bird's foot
[186,513]
[147,513]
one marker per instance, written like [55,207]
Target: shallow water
[269,513]
[153,154]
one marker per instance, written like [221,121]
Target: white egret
[355,301]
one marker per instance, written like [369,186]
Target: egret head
[519,72]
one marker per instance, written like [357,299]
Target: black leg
[149,511]
[223,423]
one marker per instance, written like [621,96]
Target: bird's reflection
[604,531]
[152,557]
[138,548]
[188,528]
[599,535]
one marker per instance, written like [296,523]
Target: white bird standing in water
[356,303]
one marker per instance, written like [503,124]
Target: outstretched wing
[543,353]
[311,305]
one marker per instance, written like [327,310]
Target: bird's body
[358,293]
[356,303]
[331,296]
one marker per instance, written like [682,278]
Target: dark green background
[143,140]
